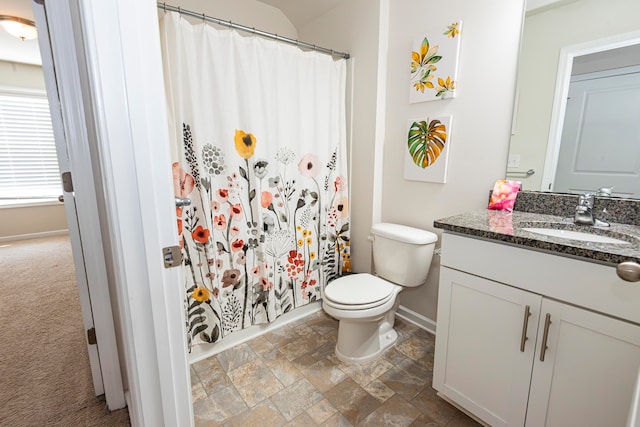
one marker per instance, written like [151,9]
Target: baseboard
[33,235]
[417,319]
[203,351]
[461,409]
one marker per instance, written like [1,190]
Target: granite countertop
[508,227]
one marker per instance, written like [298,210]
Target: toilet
[365,304]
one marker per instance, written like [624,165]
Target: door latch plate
[172,256]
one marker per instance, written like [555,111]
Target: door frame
[563,79]
[123,98]
[80,207]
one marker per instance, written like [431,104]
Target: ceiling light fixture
[22,28]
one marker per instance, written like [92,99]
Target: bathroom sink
[576,235]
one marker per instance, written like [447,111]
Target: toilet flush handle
[371,238]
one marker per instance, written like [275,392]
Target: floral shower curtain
[259,146]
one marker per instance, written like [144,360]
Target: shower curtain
[259,146]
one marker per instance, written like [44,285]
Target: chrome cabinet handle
[545,336]
[629,271]
[525,324]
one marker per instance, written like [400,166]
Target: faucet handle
[604,191]
[586,200]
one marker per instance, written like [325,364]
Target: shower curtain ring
[164,6]
[203,18]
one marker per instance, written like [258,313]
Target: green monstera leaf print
[426,141]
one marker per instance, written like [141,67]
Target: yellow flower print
[309,241]
[200,294]
[312,255]
[245,143]
[298,227]
[300,243]
[424,82]
[346,263]
[452,30]
[445,86]
[422,65]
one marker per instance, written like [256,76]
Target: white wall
[481,112]
[544,35]
[27,221]
[250,13]
[353,27]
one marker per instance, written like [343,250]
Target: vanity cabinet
[500,305]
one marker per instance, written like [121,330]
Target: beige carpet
[45,379]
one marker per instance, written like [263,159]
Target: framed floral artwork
[434,64]
[427,149]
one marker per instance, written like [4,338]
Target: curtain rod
[230,24]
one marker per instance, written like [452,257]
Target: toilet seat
[359,292]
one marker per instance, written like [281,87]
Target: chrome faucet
[584,212]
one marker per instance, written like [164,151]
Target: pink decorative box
[504,195]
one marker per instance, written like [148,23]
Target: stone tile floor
[291,377]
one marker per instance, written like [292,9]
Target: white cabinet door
[479,361]
[589,369]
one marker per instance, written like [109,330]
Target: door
[485,346]
[108,72]
[601,136]
[589,370]
[84,234]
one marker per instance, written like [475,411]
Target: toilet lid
[358,289]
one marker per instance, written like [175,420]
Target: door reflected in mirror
[577,112]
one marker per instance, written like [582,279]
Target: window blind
[28,161]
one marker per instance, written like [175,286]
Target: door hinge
[172,256]
[67,184]
[91,336]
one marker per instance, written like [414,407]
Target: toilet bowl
[365,304]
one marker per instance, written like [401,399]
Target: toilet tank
[402,254]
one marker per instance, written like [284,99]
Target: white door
[589,370]
[601,136]
[112,99]
[91,272]
[485,346]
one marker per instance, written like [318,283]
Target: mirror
[588,39]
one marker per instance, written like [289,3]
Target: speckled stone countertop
[508,227]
